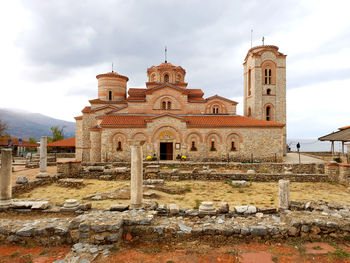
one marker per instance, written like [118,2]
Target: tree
[32,140]
[3,128]
[57,133]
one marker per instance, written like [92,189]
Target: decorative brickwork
[175,121]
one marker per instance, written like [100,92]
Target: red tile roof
[344,128]
[112,75]
[15,142]
[192,121]
[124,120]
[69,142]
[228,121]
[86,110]
[98,101]
[78,117]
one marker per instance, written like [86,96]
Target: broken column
[43,157]
[5,178]
[136,173]
[283,194]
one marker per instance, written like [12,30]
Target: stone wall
[338,172]
[258,167]
[69,168]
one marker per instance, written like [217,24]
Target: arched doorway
[166,147]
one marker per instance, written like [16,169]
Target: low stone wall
[69,168]
[104,227]
[312,168]
[32,184]
[338,172]
[209,176]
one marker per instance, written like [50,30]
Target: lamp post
[298,147]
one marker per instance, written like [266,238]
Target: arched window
[215,110]
[268,112]
[249,83]
[119,146]
[153,77]
[233,146]
[267,76]
[249,112]
[212,146]
[193,146]
[166,78]
[109,95]
[169,105]
[164,105]
[268,91]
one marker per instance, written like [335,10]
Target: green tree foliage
[32,140]
[57,133]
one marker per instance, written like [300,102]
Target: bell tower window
[249,112]
[268,91]
[249,83]
[169,105]
[267,76]
[166,78]
[164,105]
[268,113]
[215,110]
[109,95]
[119,146]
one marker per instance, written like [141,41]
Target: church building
[176,120]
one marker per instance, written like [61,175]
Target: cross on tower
[165,54]
[263,40]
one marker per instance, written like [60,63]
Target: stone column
[43,157]
[283,194]
[5,178]
[136,173]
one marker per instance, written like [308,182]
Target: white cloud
[50,53]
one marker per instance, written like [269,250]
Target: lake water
[313,145]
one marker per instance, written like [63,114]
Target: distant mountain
[24,124]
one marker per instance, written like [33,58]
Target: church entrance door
[166,151]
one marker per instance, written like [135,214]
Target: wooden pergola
[343,136]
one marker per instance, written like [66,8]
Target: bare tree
[3,128]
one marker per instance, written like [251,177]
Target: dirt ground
[194,252]
[259,194]
[18,254]
[31,173]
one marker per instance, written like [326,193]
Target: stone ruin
[92,232]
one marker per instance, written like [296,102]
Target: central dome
[166,72]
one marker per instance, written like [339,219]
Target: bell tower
[265,85]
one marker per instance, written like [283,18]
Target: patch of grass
[317,248]
[251,203]
[229,192]
[114,249]
[44,252]
[241,191]
[170,261]
[198,203]
[274,259]
[347,238]
[180,198]
[14,255]
[188,188]
[339,253]
[156,250]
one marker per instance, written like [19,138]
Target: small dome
[113,75]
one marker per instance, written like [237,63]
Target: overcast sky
[51,51]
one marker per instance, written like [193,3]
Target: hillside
[24,124]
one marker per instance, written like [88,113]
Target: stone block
[224,208]
[21,180]
[207,208]
[121,169]
[250,172]
[173,209]
[40,205]
[119,207]
[95,168]
[152,169]
[239,183]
